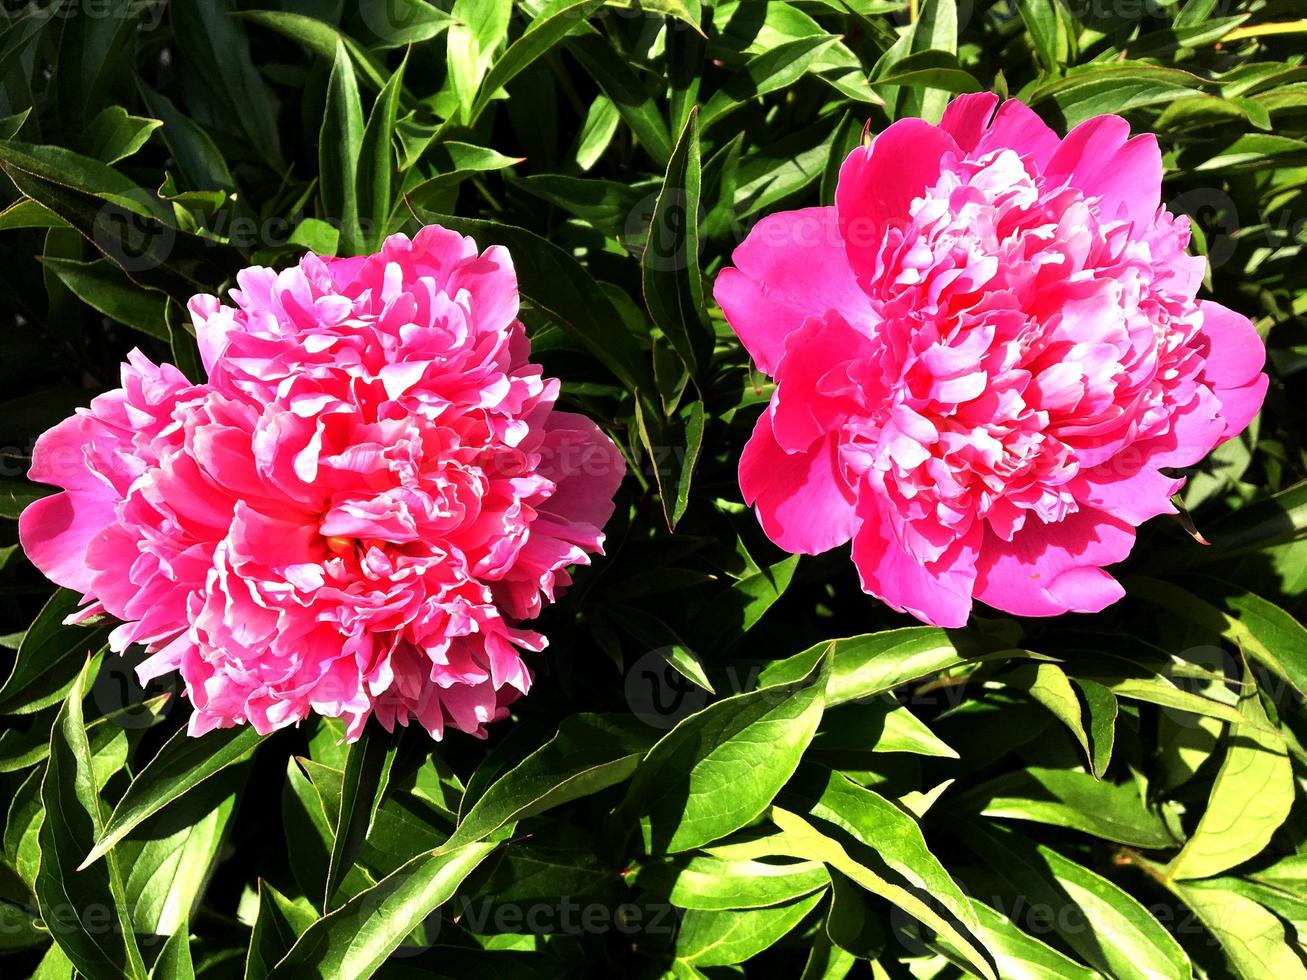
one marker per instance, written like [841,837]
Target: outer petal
[791,266]
[55,531]
[879,182]
[938,593]
[1049,569]
[803,501]
[967,117]
[1233,365]
[1099,158]
[1017,126]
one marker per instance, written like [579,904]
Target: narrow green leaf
[588,754]
[711,883]
[182,764]
[356,939]
[279,923]
[724,938]
[376,165]
[669,267]
[367,770]
[718,769]
[49,657]
[102,287]
[73,821]
[340,146]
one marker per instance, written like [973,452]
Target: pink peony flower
[988,354]
[356,510]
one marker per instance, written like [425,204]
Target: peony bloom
[354,513]
[988,355]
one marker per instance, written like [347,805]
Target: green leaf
[869,839]
[1115,87]
[279,923]
[711,883]
[49,657]
[114,135]
[1020,955]
[739,608]
[850,924]
[376,164]
[669,266]
[481,26]
[1048,684]
[182,764]
[718,769]
[167,861]
[620,84]
[935,31]
[722,938]
[212,41]
[588,754]
[367,771]
[174,962]
[774,69]
[1259,628]
[356,939]
[1107,927]
[318,37]
[1253,939]
[556,282]
[1251,797]
[73,821]
[1076,800]
[537,40]
[863,666]
[104,288]
[340,146]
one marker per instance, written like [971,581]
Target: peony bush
[688,488]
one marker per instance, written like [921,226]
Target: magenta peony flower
[356,510]
[988,354]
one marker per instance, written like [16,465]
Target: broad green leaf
[73,822]
[49,657]
[720,768]
[1107,927]
[355,939]
[882,725]
[395,23]
[588,754]
[935,31]
[130,225]
[597,132]
[318,37]
[479,29]
[1253,939]
[1115,87]
[367,771]
[200,163]
[454,162]
[340,146]
[738,609]
[1076,800]
[711,883]
[1250,799]
[1048,684]
[722,938]
[669,267]
[182,764]
[1101,709]
[102,287]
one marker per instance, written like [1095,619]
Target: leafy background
[733,762]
